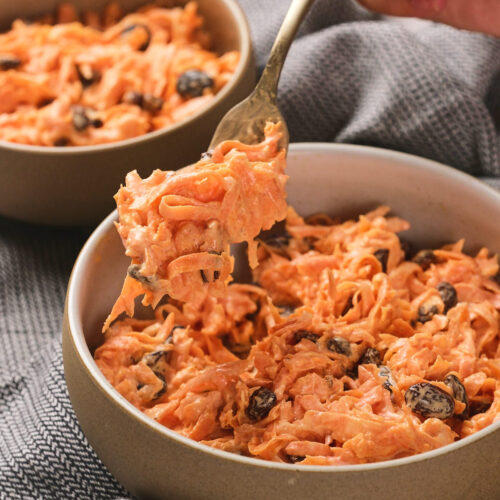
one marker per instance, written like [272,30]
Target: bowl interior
[442,204]
[218,15]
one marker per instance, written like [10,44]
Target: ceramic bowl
[75,185]
[152,461]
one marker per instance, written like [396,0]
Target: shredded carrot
[177,227]
[75,81]
[286,369]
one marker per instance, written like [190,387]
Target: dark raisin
[305,334]
[261,403]
[97,123]
[138,30]
[295,458]
[429,401]
[348,306]
[80,118]
[448,295]
[406,248]
[9,62]
[339,345]
[61,142]
[426,313]
[425,258]
[385,372]
[382,255]
[193,82]
[216,275]
[163,387]
[370,356]
[459,393]
[153,358]
[87,76]
[134,271]
[476,407]
[133,97]
[152,103]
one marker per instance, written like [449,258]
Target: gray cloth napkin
[350,76]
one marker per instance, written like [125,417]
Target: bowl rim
[246,58]
[82,351]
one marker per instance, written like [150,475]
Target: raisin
[261,403]
[295,458]
[80,119]
[339,345]
[385,372]
[163,388]
[425,314]
[142,35]
[87,76]
[370,356]
[476,407]
[425,258]
[9,62]
[152,103]
[448,295]
[61,142]
[305,334]
[382,255]
[97,123]
[134,271]
[133,97]
[347,307]
[216,275]
[153,358]
[429,401]
[459,393]
[192,83]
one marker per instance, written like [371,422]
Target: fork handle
[267,86]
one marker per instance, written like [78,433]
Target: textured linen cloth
[351,76]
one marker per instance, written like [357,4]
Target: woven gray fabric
[351,76]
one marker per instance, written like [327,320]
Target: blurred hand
[474,15]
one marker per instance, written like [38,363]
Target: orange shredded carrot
[177,226]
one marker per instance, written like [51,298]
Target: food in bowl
[66,81]
[177,227]
[348,349]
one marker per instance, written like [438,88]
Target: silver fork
[245,121]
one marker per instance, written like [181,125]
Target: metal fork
[245,121]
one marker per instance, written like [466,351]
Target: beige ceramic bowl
[155,462]
[75,185]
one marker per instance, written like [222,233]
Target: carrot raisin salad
[67,80]
[347,348]
[177,227]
